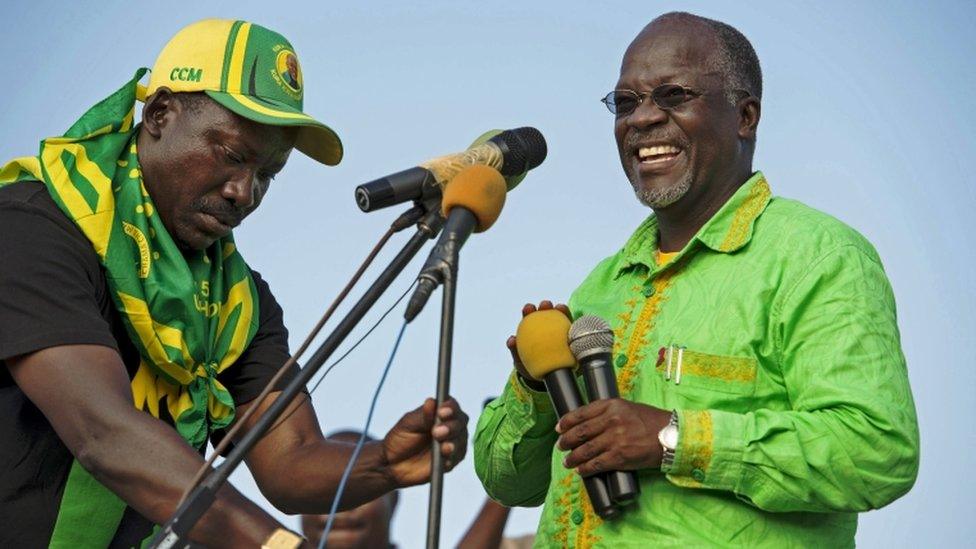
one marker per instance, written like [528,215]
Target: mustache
[634,139]
[227,214]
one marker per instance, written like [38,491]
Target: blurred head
[682,151]
[365,527]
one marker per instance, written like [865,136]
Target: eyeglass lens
[667,96]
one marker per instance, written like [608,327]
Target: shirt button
[648,290]
[620,361]
[698,475]
[577,517]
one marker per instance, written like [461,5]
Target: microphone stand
[443,388]
[443,272]
[203,495]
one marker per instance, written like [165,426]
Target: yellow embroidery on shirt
[696,447]
[637,347]
[520,394]
[565,503]
[745,214]
[584,534]
[725,368]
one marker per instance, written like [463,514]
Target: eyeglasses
[665,96]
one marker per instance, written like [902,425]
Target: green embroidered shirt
[773,334]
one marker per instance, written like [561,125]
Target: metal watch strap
[667,457]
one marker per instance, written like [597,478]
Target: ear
[159,110]
[749,109]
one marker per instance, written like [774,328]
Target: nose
[241,190]
[646,114]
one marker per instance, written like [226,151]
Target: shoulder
[28,206]
[805,234]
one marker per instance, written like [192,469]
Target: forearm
[306,484]
[513,446]
[832,460]
[139,458]
[149,466]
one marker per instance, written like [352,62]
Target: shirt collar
[727,231]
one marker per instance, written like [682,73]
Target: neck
[678,223]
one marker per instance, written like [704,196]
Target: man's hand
[528,309]
[612,435]
[406,448]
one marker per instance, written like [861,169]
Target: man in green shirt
[765,398]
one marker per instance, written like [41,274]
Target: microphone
[591,342]
[542,342]
[472,202]
[511,152]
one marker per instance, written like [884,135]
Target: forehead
[217,123]
[667,51]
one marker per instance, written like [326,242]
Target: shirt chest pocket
[704,380]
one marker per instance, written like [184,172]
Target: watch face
[669,437]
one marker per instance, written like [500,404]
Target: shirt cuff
[710,449]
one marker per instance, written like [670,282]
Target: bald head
[730,55]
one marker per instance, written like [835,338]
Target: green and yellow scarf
[191,315]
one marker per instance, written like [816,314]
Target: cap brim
[315,139]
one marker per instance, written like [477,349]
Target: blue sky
[867,115]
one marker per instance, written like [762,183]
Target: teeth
[645,152]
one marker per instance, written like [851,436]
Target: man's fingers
[449,429]
[454,421]
[545,305]
[582,433]
[586,452]
[580,415]
[528,309]
[427,411]
[449,409]
[599,464]
[565,310]
[513,349]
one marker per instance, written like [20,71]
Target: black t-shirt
[53,292]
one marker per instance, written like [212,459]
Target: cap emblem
[287,72]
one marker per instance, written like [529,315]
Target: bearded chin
[661,198]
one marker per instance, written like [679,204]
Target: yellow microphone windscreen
[542,340]
[480,189]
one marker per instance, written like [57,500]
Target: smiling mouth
[657,155]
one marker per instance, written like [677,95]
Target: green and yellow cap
[251,70]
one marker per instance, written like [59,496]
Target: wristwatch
[283,538]
[668,437]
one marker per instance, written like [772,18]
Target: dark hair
[737,61]
[194,102]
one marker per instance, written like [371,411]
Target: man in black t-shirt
[208,147]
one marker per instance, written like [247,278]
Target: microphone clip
[441,265]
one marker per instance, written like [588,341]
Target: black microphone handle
[565,396]
[601,383]
[412,184]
